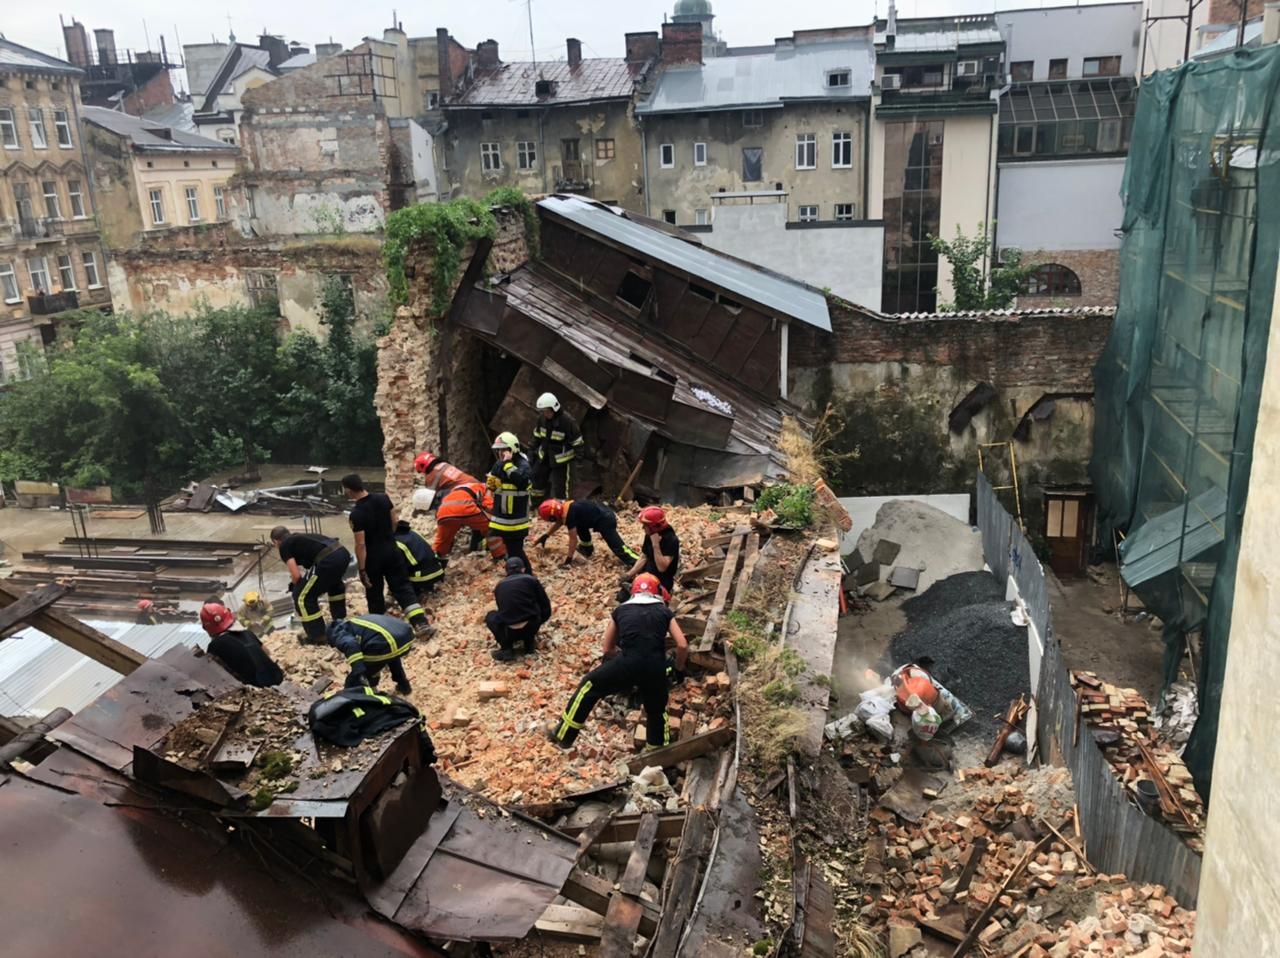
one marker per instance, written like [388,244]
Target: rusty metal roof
[515,84]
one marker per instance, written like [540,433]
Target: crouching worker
[369,642]
[317,565]
[238,650]
[523,608]
[635,653]
[584,517]
[425,569]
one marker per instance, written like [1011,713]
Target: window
[263,293]
[1022,71]
[752,164]
[606,149]
[571,151]
[193,203]
[841,150]
[52,208]
[227,136]
[62,126]
[667,155]
[220,202]
[22,199]
[838,78]
[808,214]
[90,261]
[1109,134]
[9,284]
[39,270]
[702,217]
[753,119]
[806,151]
[36,119]
[77,199]
[669,216]
[157,207]
[1101,66]
[433,101]
[699,154]
[844,212]
[1052,279]
[1067,118]
[635,286]
[1058,69]
[913,152]
[526,155]
[543,88]
[8,129]
[66,272]
[490,157]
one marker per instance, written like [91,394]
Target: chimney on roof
[681,43]
[642,47]
[277,49]
[105,41]
[487,55]
[163,132]
[891,26]
[76,39]
[329,49]
[575,52]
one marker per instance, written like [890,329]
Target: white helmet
[548,401]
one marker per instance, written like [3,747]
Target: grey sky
[600,24]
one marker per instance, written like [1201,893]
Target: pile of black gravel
[962,623]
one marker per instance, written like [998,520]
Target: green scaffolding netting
[1177,387]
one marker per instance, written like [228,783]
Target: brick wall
[158,91]
[1099,272]
[1228,11]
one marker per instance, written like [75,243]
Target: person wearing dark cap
[523,608]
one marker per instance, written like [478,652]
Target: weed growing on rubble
[792,504]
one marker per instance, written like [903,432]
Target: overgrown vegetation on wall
[973,290]
[448,228]
[146,403]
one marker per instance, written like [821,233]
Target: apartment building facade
[51,259]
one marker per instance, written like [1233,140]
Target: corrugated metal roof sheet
[796,72]
[514,84]
[144,133]
[15,56]
[784,296]
[39,673]
[1182,534]
[942,34]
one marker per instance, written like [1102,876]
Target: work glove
[542,540]
[365,580]
[492,482]
[568,561]
[675,676]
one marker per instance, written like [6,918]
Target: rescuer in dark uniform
[509,480]
[584,517]
[557,442]
[369,642]
[425,570]
[238,650]
[373,521]
[635,660]
[660,552]
[317,565]
[523,608]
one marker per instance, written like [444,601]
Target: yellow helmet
[252,598]
[507,440]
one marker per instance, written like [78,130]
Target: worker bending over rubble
[509,481]
[556,443]
[438,476]
[373,521]
[425,569]
[584,517]
[461,501]
[635,659]
[369,642]
[238,650]
[523,608]
[325,561]
[660,552]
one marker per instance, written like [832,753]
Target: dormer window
[544,88]
[839,79]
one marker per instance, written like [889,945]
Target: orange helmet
[646,584]
[653,519]
[216,618]
[145,605]
[425,462]
[551,510]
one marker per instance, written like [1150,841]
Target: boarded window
[752,164]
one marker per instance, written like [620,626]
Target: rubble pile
[1120,721]
[488,719]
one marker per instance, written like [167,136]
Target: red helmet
[551,510]
[216,618]
[653,519]
[646,584]
[144,605]
[425,462]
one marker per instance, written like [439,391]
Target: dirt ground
[1087,623]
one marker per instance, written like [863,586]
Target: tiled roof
[145,134]
[14,56]
[513,84]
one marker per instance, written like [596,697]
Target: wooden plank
[593,829]
[622,921]
[984,917]
[570,923]
[71,631]
[682,884]
[623,828]
[592,892]
[19,612]
[682,751]
[971,863]
[748,567]
[707,642]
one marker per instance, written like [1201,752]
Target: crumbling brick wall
[1098,270]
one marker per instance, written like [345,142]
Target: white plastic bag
[924,722]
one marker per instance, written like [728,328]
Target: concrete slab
[810,630]
[904,577]
[879,591]
[886,551]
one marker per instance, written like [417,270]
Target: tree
[973,291]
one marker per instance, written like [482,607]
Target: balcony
[570,177]
[47,304]
[42,229]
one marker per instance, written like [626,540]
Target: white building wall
[1060,204]
[968,187]
[1074,33]
[848,260]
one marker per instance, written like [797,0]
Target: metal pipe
[644,159]
[29,739]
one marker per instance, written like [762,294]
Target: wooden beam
[980,922]
[19,612]
[32,738]
[748,567]
[570,923]
[624,828]
[593,893]
[707,642]
[71,631]
[682,751]
[682,885]
[971,863]
[622,921]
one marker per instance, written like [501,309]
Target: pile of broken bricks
[864,577]
[1009,878]
[1119,720]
